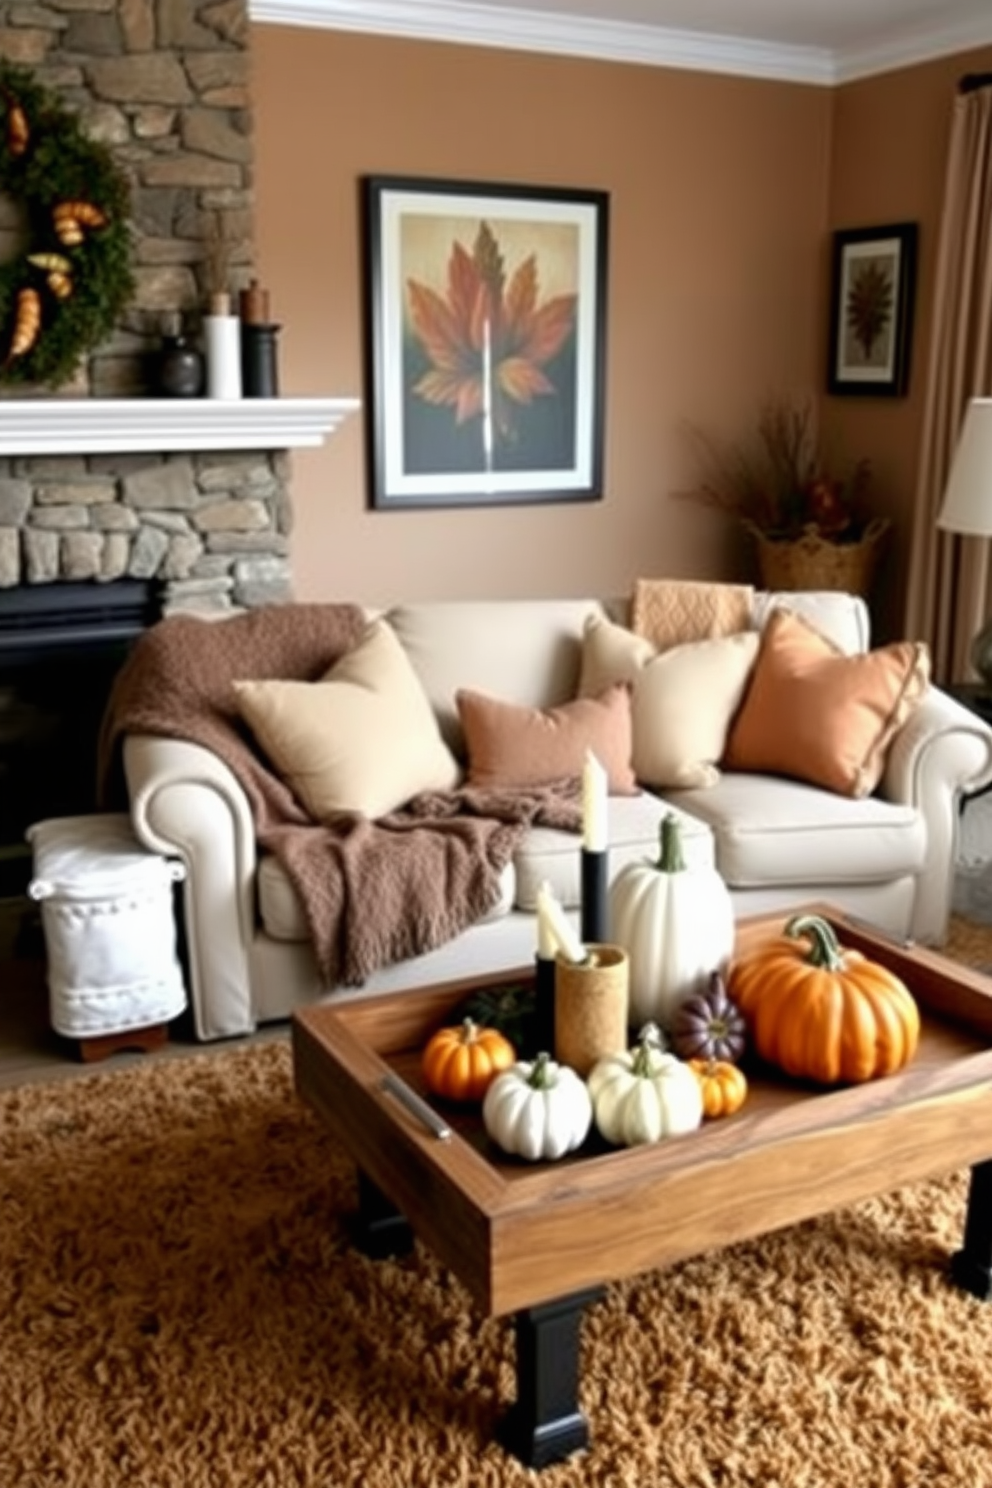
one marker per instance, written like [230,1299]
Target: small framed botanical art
[873,280]
[486,309]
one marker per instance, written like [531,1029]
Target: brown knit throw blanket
[374,892]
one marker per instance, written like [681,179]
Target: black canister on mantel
[259,369]
[259,362]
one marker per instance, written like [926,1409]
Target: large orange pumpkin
[821,1011]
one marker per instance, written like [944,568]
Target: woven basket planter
[813,562]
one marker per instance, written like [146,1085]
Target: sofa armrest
[186,802]
[942,752]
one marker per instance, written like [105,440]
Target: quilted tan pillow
[682,700]
[671,612]
[816,714]
[363,739]
[513,746]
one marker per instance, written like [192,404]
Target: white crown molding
[923,46]
[565,35]
[87,426]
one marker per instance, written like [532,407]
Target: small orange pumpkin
[821,1011]
[724,1086]
[460,1063]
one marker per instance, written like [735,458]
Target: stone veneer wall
[165,85]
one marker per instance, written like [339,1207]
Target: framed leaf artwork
[873,280]
[486,321]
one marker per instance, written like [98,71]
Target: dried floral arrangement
[218,259]
[779,481]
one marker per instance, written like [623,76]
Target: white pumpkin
[537,1109]
[644,1095]
[676,924]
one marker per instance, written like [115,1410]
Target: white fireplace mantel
[87,426]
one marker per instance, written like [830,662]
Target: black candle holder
[595,911]
[259,366]
[544,1006]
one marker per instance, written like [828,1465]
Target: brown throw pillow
[817,714]
[513,746]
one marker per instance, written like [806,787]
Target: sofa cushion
[774,832]
[555,857]
[526,651]
[682,700]
[282,915]
[363,738]
[815,714]
[513,746]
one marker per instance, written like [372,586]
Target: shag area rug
[181,1307]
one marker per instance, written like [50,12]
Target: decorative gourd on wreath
[63,293]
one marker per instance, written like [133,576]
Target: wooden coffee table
[542,1240]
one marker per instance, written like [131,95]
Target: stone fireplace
[117,506]
[163,84]
[118,512]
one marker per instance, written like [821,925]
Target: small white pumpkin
[537,1109]
[676,924]
[644,1095]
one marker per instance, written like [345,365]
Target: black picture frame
[872,289]
[486,334]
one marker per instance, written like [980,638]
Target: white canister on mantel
[222,349]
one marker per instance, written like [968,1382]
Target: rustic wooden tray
[520,1234]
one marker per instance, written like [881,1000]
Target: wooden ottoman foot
[141,1040]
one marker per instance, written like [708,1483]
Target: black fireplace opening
[61,646]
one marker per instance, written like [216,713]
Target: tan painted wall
[890,138]
[719,190]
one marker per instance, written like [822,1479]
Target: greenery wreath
[64,292]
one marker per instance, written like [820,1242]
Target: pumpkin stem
[538,1077]
[670,858]
[824,947]
[647,1044]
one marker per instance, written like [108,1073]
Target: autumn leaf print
[487,341]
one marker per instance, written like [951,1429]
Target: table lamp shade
[967,505]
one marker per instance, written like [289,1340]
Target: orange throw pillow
[509,745]
[817,714]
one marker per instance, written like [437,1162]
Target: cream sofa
[777,842]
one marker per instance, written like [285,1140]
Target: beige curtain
[949,595]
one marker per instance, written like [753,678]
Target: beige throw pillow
[509,745]
[364,738]
[819,715]
[682,700]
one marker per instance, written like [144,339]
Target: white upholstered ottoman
[114,976]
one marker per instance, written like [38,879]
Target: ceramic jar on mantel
[222,345]
[179,371]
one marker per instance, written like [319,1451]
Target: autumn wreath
[63,291]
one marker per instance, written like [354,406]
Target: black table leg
[380,1229]
[545,1424]
[971,1266]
